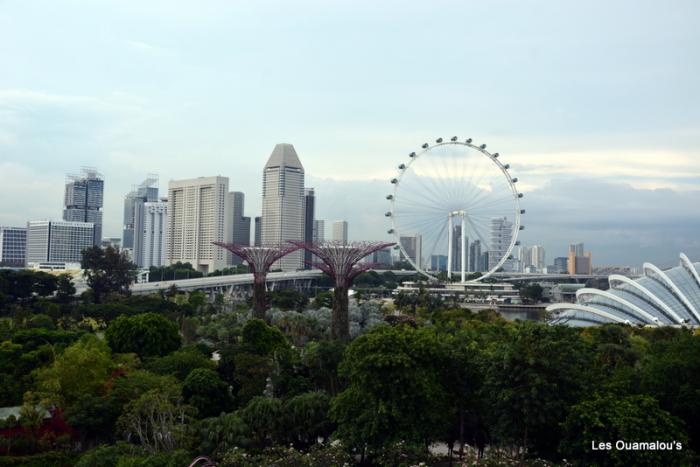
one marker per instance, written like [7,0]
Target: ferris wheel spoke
[492,202]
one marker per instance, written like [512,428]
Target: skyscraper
[576,249]
[340,231]
[560,265]
[151,248]
[501,236]
[58,241]
[13,246]
[146,192]
[283,203]
[579,262]
[413,246]
[309,220]
[319,234]
[197,216]
[83,200]
[457,248]
[538,257]
[240,224]
[475,256]
[258,231]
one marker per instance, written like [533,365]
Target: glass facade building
[13,246]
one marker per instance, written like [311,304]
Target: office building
[197,216]
[537,257]
[484,262]
[576,249]
[58,241]
[339,232]
[382,258]
[560,265]
[258,231]
[438,263]
[240,224]
[457,248]
[151,248]
[412,245]
[319,233]
[283,203]
[83,200]
[501,237]
[146,192]
[309,220]
[13,246]
[577,261]
[475,256]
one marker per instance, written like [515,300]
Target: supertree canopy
[259,259]
[341,261]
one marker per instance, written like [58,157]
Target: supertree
[259,259]
[341,261]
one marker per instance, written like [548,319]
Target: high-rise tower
[240,224]
[83,200]
[283,203]
[132,236]
[198,215]
[309,220]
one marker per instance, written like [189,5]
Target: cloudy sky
[594,104]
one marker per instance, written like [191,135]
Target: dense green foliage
[161,379]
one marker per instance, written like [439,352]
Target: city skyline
[572,112]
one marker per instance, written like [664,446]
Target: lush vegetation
[109,379]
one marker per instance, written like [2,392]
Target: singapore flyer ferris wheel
[455,210]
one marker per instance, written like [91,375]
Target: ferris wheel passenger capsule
[507,166]
[394,181]
[390,231]
[515,180]
[387,214]
[402,166]
[520,195]
[469,140]
[522,227]
[439,140]
[522,211]
[483,146]
[495,154]
[390,197]
[425,146]
[453,139]
[413,154]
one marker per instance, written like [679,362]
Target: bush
[147,335]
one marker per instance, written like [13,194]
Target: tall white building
[198,215]
[58,241]
[340,231]
[283,203]
[538,257]
[501,236]
[151,248]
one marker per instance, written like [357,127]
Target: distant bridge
[241,284]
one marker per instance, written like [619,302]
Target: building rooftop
[284,155]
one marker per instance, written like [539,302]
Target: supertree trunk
[259,302]
[341,261]
[340,322]
[259,259]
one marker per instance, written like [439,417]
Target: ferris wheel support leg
[449,246]
[464,249]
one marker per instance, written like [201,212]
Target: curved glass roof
[660,294]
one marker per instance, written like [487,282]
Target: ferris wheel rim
[517,195]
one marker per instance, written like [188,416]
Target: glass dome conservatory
[658,298]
